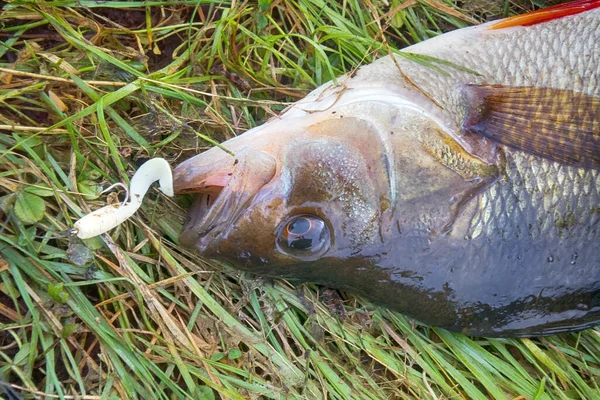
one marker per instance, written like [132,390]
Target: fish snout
[224,184]
[204,173]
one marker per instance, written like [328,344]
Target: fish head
[313,189]
[289,194]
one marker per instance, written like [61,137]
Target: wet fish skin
[447,228]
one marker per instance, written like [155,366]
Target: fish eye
[303,236]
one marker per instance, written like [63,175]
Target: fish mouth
[225,185]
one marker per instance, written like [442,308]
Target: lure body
[109,217]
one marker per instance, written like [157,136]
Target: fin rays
[560,125]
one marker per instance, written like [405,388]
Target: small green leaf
[540,392]
[217,356]
[234,353]
[42,191]
[26,236]
[57,293]
[397,20]
[22,355]
[262,22]
[264,5]
[93,175]
[94,243]
[68,329]
[89,189]
[204,393]
[29,208]
[32,141]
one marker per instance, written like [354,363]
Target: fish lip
[189,177]
[235,184]
[206,221]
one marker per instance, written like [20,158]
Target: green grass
[87,90]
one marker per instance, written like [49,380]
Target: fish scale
[521,200]
[522,57]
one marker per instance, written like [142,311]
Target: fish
[456,182]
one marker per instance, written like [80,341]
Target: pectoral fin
[560,125]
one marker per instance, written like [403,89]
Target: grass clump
[88,91]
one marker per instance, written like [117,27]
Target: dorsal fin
[547,14]
[559,125]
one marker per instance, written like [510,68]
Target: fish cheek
[334,179]
[249,243]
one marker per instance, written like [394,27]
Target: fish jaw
[225,184]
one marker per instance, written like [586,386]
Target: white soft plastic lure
[107,218]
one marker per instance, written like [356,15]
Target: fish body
[465,194]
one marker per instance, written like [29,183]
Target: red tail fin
[547,14]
